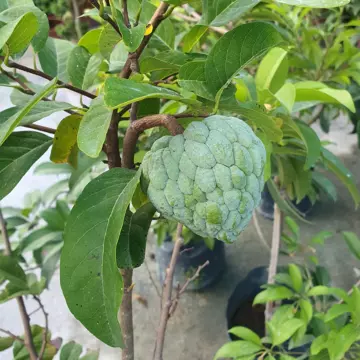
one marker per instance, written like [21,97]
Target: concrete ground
[198,328]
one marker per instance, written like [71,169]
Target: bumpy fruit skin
[210,178]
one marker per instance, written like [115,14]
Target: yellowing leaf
[65,148]
[148,30]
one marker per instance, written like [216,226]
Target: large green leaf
[122,92]
[54,56]
[90,40]
[284,331]
[322,182]
[89,276]
[18,33]
[239,349]
[12,271]
[286,96]
[316,3]
[353,243]
[338,168]
[193,37]
[221,12]
[16,160]
[118,58]
[8,124]
[130,251]
[93,128]
[317,91]
[39,39]
[76,66]
[107,40]
[167,60]
[236,49]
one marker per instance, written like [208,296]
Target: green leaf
[39,39]
[246,334]
[167,60]
[130,251]
[221,12]
[76,66]
[286,357]
[90,40]
[293,226]
[122,92]
[284,331]
[90,279]
[237,349]
[340,342]
[353,243]
[93,128]
[38,238]
[12,271]
[65,140]
[54,219]
[17,34]
[318,344]
[335,311]
[317,91]
[296,277]
[273,294]
[306,311]
[312,144]
[235,50]
[132,37]
[320,237]
[6,342]
[71,351]
[323,183]
[91,355]
[118,58]
[286,96]
[272,71]
[337,167]
[8,124]
[92,71]
[15,161]
[49,168]
[192,37]
[316,3]
[268,148]
[107,41]
[50,263]
[54,56]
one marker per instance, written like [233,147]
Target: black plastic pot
[266,207]
[198,253]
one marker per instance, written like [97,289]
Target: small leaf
[130,251]
[284,331]
[54,57]
[49,168]
[286,96]
[71,351]
[65,140]
[246,334]
[322,182]
[335,311]
[107,40]
[12,271]
[192,37]
[118,58]
[315,3]
[236,49]
[273,294]
[306,312]
[122,92]
[338,168]
[6,342]
[166,61]
[90,40]
[92,71]
[77,64]
[93,128]
[237,349]
[15,161]
[293,226]
[296,277]
[18,33]
[320,237]
[89,276]
[38,238]
[353,243]
[312,144]
[9,123]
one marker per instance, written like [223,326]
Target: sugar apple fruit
[209,178]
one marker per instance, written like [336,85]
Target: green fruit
[210,178]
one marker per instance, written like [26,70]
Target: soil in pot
[193,255]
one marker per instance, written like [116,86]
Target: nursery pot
[195,254]
[266,207]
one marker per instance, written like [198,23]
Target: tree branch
[76,18]
[29,343]
[137,127]
[40,128]
[125,13]
[45,332]
[112,142]
[166,296]
[15,65]
[154,22]
[106,17]
[12,335]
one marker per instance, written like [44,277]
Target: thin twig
[45,332]
[13,78]
[77,23]
[125,13]
[152,278]
[15,65]
[356,285]
[166,296]
[259,231]
[316,113]
[34,311]
[137,127]
[29,343]
[275,245]
[40,128]
[12,335]
[106,17]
